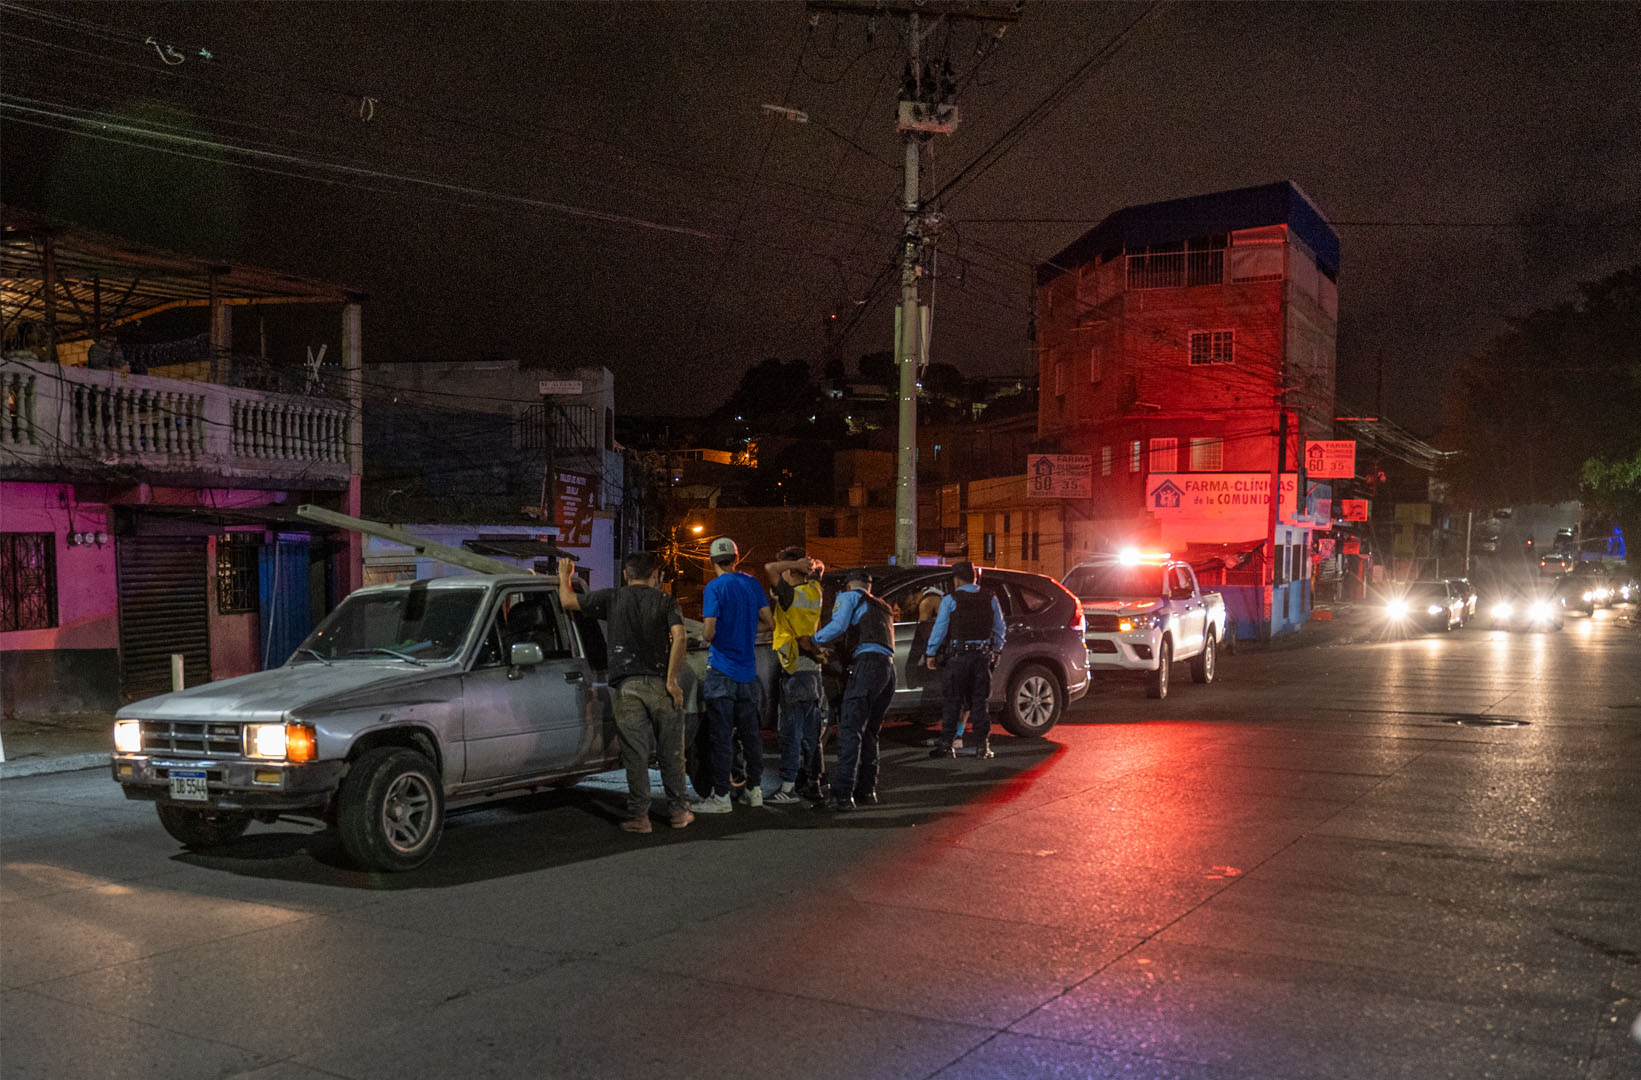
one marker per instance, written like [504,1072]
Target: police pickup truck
[1143,613]
[406,699]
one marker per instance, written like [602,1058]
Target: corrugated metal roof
[1280,203]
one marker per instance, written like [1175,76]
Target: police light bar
[1134,556]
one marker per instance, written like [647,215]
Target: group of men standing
[646,654]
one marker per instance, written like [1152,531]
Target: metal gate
[163,610]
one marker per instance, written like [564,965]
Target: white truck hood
[267,696]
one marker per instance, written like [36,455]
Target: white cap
[724,548]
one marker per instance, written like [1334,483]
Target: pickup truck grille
[191,738]
[1102,624]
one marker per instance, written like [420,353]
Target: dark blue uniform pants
[865,700]
[966,683]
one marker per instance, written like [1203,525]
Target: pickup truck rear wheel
[1205,663]
[1034,702]
[1156,682]
[198,830]
[390,812]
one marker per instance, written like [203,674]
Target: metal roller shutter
[163,610]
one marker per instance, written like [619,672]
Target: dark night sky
[1523,122]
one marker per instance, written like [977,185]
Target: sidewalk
[1330,623]
[53,744]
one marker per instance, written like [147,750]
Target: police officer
[868,629]
[975,622]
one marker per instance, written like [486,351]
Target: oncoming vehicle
[1466,592]
[1428,605]
[407,699]
[1528,609]
[1042,667]
[1145,612]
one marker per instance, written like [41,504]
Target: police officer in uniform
[975,622]
[867,628]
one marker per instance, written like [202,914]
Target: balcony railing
[72,420]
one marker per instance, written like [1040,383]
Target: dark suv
[1044,665]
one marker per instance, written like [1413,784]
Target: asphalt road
[1415,858]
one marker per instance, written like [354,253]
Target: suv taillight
[1078,623]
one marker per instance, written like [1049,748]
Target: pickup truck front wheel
[1205,663]
[197,830]
[390,813]
[1156,682]
[1034,702]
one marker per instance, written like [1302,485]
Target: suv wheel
[1034,702]
[390,813]
[1156,682]
[1205,663]
[197,830]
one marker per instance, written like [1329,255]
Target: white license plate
[189,784]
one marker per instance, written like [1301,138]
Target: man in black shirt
[646,639]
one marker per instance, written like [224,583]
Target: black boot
[942,749]
[982,749]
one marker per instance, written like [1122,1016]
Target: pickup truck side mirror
[525,654]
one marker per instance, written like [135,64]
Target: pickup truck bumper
[231,784]
[1134,651]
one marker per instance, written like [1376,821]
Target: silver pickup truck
[407,699]
[1143,613]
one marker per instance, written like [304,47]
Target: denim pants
[800,724]
[966,683]
[732,711]
[650,725]
[865,700]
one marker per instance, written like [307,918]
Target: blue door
[286,616]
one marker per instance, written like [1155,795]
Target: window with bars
[1096,365]
[1164,455]
[1207,455]
[237,584]
[1135,456]
[1059,378]
[1212,347]
[28,581]
[1105,461]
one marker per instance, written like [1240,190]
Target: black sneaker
[838,806]
[866,798]
[942,750]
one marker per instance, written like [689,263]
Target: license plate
[189,785]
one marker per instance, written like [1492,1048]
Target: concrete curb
[39,766]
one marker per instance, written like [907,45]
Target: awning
[195,520]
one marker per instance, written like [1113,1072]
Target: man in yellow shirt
[795,581]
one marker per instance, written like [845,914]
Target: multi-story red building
[1187,347]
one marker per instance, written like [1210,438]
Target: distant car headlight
[1540,610]
[1503,611]
[1396,609]
[291,742]
[128,737]
[1589,595]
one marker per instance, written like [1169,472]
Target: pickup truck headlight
[292,742]
[1130,623]
[127,737]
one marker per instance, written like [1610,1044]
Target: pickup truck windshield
[413,622]
[1116,582]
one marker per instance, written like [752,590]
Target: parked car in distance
[1425,605]
[1527,608]
[1145,612]
[407,699]
[1042,669]
[1466,592]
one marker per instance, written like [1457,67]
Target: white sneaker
[714,804]
[752,795]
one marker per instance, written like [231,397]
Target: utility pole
[925,109]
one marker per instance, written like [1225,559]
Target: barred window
[1212,347]
[1134,456]
[1164,455]
[1096,365]
[1207,455]
[237,586]
[1105,460]
[28,581]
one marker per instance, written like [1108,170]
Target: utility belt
[971,646]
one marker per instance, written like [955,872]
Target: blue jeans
[732,712]
[865,700]
[966,684]
[800,724]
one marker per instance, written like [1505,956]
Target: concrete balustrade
[76,418]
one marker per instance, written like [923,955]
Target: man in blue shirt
[975,622]
[733,610]
[869,629]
